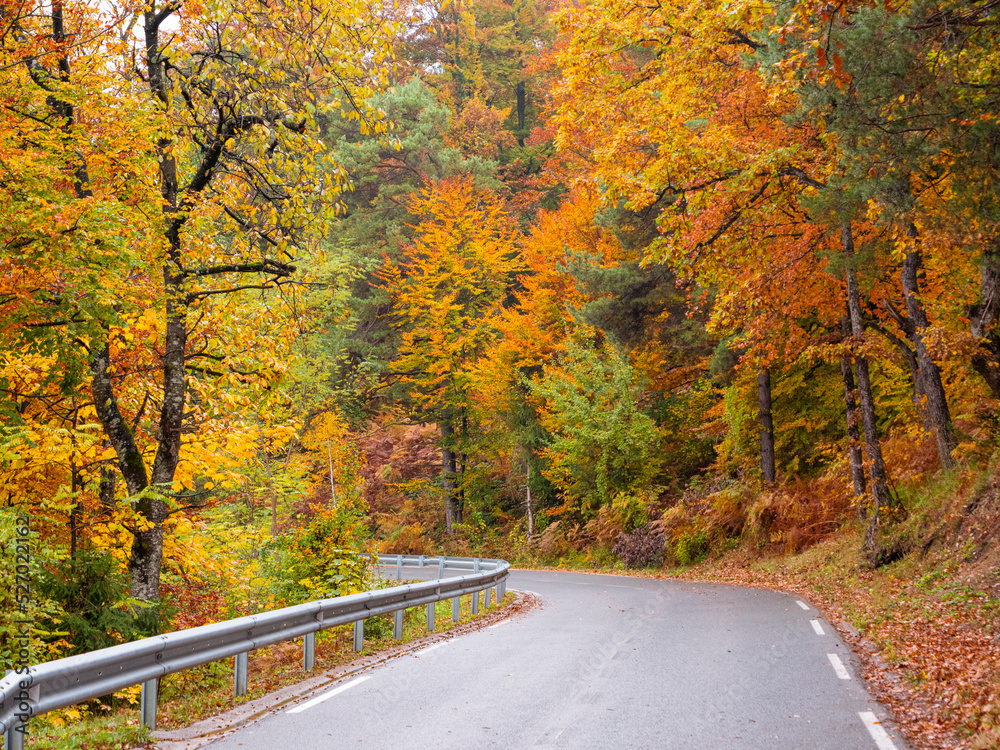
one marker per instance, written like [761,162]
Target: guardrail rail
[76,679]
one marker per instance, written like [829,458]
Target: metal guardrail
[75,679]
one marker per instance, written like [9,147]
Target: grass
[195,694]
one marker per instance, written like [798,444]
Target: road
[605,662]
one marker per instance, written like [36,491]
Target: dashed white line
[430,648]
[817,627]
[881,737]
[838,667]
[326,696]
[802,604]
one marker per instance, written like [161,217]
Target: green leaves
[602,442]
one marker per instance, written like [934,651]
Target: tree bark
[766,424]
[106,491]
[448,476]
[147,543]
[983,318]
[527,504]
[75,509]
[929,373]
[853,431]
[521,106]
[876,463]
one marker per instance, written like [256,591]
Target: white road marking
[497,625]
[838,667]
[326,696]
[817,627]
[802,604]
[430,648]
[881,737]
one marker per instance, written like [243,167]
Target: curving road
[604,662]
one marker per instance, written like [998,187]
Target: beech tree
[448,295]
[223,158]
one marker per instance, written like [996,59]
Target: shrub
[321,559]
[643,548]
[690,546]
[93,595]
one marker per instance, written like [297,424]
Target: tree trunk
[521,105]
[527,504]
[272,495]
[766,424]
[929,374]
[876,468]
[460,502]
[106,491]
[983,319]
[448,475]
[333,486]
[460,499]
[147,544]
[853,432]
[75,509]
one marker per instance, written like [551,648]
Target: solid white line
[326,696]
[497,625]
[802,604]
[838,667]
[817,627]
[881,737]
[431,648]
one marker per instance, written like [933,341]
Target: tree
[448,295]
[356,338]
[222,131]
[601,441]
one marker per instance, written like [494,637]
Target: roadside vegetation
[710,290]
[206,691]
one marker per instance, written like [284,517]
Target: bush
[690,547]
[642,548]
[319,560]
[378,627]
[93,595]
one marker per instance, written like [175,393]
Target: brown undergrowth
[927,626]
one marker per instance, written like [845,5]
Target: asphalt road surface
[604,662]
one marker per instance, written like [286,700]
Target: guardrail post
[240,673]
[475,602]
[456,609]
[397,624]
[147,703]
[501,590]
[475,565]
[13,738]
[441,567]
[308,651]
[399,568]
[423,559]
[488,594]
[430,617]
[359,635]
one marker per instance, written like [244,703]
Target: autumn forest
[598,283]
